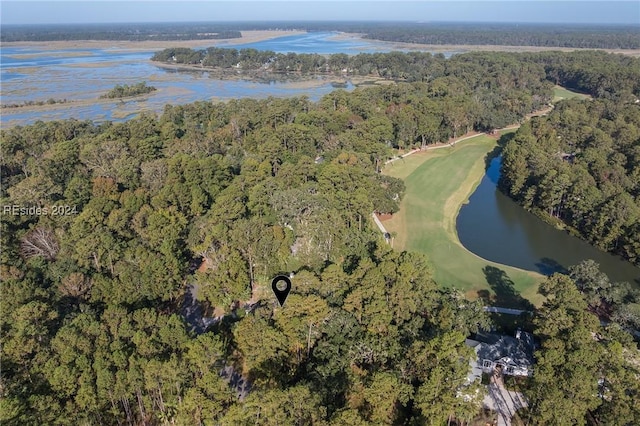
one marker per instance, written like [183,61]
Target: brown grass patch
[384,216]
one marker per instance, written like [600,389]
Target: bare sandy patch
[442,48]
[8,112]
[72,103]
[247,37]
[308,84]
[24,70]
[50,54]
[498,48]
[255,36]
[90,65]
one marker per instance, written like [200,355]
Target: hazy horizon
[329,21]
[149,11]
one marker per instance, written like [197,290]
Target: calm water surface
[320,42]
[31,74]
[497,229]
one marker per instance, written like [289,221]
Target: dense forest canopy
[212,200]
[477,33]
[482,91]
[543,35]
[581,164]
[95,331]
[598,73]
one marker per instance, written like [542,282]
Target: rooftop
[510,351]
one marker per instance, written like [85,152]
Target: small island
[124,91]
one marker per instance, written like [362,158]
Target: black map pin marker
[281,286]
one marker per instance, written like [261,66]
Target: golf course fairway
[438,182]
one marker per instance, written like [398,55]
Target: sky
[529,11]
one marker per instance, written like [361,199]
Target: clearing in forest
[560,93]
[438,182]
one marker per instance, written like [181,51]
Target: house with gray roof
[512,355]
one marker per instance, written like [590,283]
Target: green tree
[302,322]
[565,381]
[226,280]
[383,397]
[296,405]
[442,365]
[264,350]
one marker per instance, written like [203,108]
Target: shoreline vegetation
[60,104]
[119,31]
[50,101]
[253,36]
[247,37]
[332,72]
[590,36]
[288,83]
[465,48]
[391,66]
[126,91]
[596,193]
[47,106]
[296,79]
[560,68]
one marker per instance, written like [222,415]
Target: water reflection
[497,229]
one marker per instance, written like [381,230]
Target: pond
[495,228]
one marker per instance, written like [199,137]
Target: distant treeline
[511,35]
[125,32]
[546,35]
[592,36]
[126,90]
[597,73]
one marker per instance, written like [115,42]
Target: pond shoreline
[495,227]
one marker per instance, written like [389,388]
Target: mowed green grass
[560,93]
[437,183]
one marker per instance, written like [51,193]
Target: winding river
[494,227]
[81,74]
